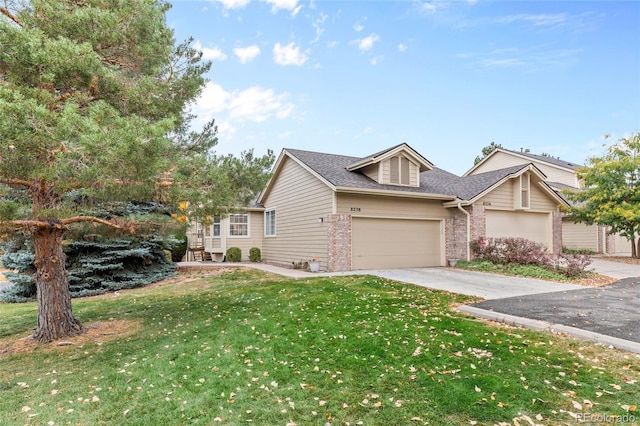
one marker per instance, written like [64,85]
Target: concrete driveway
[471,283]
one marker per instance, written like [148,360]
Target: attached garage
[532,226]
[622,246]
[579,236]
[396,243]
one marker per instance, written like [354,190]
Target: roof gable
[528,157]
[378,157]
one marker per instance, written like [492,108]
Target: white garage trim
[396,243]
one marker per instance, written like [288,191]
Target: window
[216,226]
[399,170]
[270,223]
[524,191]
[239,225]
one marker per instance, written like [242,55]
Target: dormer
[400,165]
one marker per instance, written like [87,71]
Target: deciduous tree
[611,194]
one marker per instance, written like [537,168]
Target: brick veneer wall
[556,218]
[455,230]
[478,223]
[338,242]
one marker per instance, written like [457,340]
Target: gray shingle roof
[437,181]
[546,159]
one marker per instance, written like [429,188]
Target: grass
[245,347]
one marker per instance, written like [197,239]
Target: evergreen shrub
[95,264]
[234,254]
[254,254]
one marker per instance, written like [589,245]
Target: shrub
[520,251]
[234,254]
[254,254]
[95,264]
[179,249]
[510,250]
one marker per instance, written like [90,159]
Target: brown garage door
[532,226]
[395,243]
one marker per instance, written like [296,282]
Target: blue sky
[446,77]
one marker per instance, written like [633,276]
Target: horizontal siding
[540,199]
[503,197]
[371,172]
[501,160]
[391,207]
[500,198]
[256,232]
[299,199]
[579,236]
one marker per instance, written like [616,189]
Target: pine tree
[92,95]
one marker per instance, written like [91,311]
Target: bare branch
[5,12]
[93,219]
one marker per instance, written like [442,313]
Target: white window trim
[248,226]
[275,223]
[525,186]
[219,223]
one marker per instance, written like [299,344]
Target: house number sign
[355,209]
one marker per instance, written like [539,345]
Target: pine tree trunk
[55,318]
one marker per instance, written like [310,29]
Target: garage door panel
[532,226]
[392,243]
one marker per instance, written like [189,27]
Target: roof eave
[393,193]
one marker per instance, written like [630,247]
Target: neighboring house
[243,229]
[561,175]
[391,209]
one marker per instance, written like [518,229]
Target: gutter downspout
[468,229]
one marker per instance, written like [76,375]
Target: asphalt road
[613,310]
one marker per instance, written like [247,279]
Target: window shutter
[404,169]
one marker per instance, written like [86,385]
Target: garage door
[622,246]
[394,243]
[579,236]
[532,226]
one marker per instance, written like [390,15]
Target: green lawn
[250,348]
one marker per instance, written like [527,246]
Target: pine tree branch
[5,12]
[18,182]
[36,224]
[93,219]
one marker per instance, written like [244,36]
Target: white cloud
[289,55]
[402,47]
[213,54]
[233,4]
[366,43]
[536,20]
[358,27]
[375,60]
[291,5]
[246,54]
[318,27]
[233,108]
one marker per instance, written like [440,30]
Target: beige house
[390,209]
[560,175]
